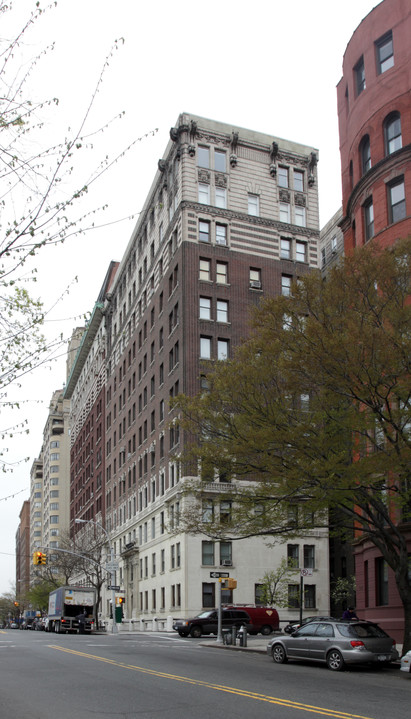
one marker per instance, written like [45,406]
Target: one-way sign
[216,575]
[115,587]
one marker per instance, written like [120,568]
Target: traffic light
[121,601]
[16,604]
[43,558]
[39,558]
[228,583]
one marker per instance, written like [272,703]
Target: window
[300,252]
[205,347]
[255,278]
[222,349]
[293,555]
[221,197]
[203,157]
[285,249]
[309,556]
[203,193]
[309,596]
[208,510]
[222,311]
[384,53]
[225,554]
[299,216]
[285,285]
[204,231]
[253,205]
[284,212]
[323,257]
[221,273]
[221,234]
[205,269]
[298,181]
[219,161]
[369,219]
[205,308]
[365,154]
[392,133]
[293,596]
[208,595]
[207,553]
[359,76]
[283,176]
[396,200]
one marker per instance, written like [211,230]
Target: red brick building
[374,111]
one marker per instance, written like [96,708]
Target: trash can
[227,636]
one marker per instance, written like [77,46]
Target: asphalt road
[156,676]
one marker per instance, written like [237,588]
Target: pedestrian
[349,614]
[81,618]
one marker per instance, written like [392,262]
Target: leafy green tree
[314,414]
[38,595]
[274,585]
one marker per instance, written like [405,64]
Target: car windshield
[205,615]
[361,630]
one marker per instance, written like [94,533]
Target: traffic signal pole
[220,614]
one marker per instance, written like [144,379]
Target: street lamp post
[112,569]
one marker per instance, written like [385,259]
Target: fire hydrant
[242,636]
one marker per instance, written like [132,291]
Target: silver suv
[336,643]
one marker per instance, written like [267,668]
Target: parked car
[293,626]
[207,622]
[14,625]
[406,662]
[336,643]
[263,619]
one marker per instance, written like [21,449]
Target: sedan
[335,643]
[406,662]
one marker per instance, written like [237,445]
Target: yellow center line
[217,687]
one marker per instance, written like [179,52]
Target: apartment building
[231,216]
[374,111]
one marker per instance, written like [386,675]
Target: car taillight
[356,643]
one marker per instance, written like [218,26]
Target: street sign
[112,566]
[115,587]
[217,575]
[306,572]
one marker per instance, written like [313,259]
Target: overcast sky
[270,66]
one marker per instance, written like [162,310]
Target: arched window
[365,154]
[392,133]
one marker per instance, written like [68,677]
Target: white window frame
[253,205]
[221,197]
[205,347]
[221,234]
[223,348]
[222,311]
[285,212]
[205,308]
[203,193]
[300,218]
[285,249]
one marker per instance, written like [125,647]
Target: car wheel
[279,655]
[266,629]
[196,632]
[335,661]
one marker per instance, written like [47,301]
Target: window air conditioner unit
[226,563]
[255,284]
